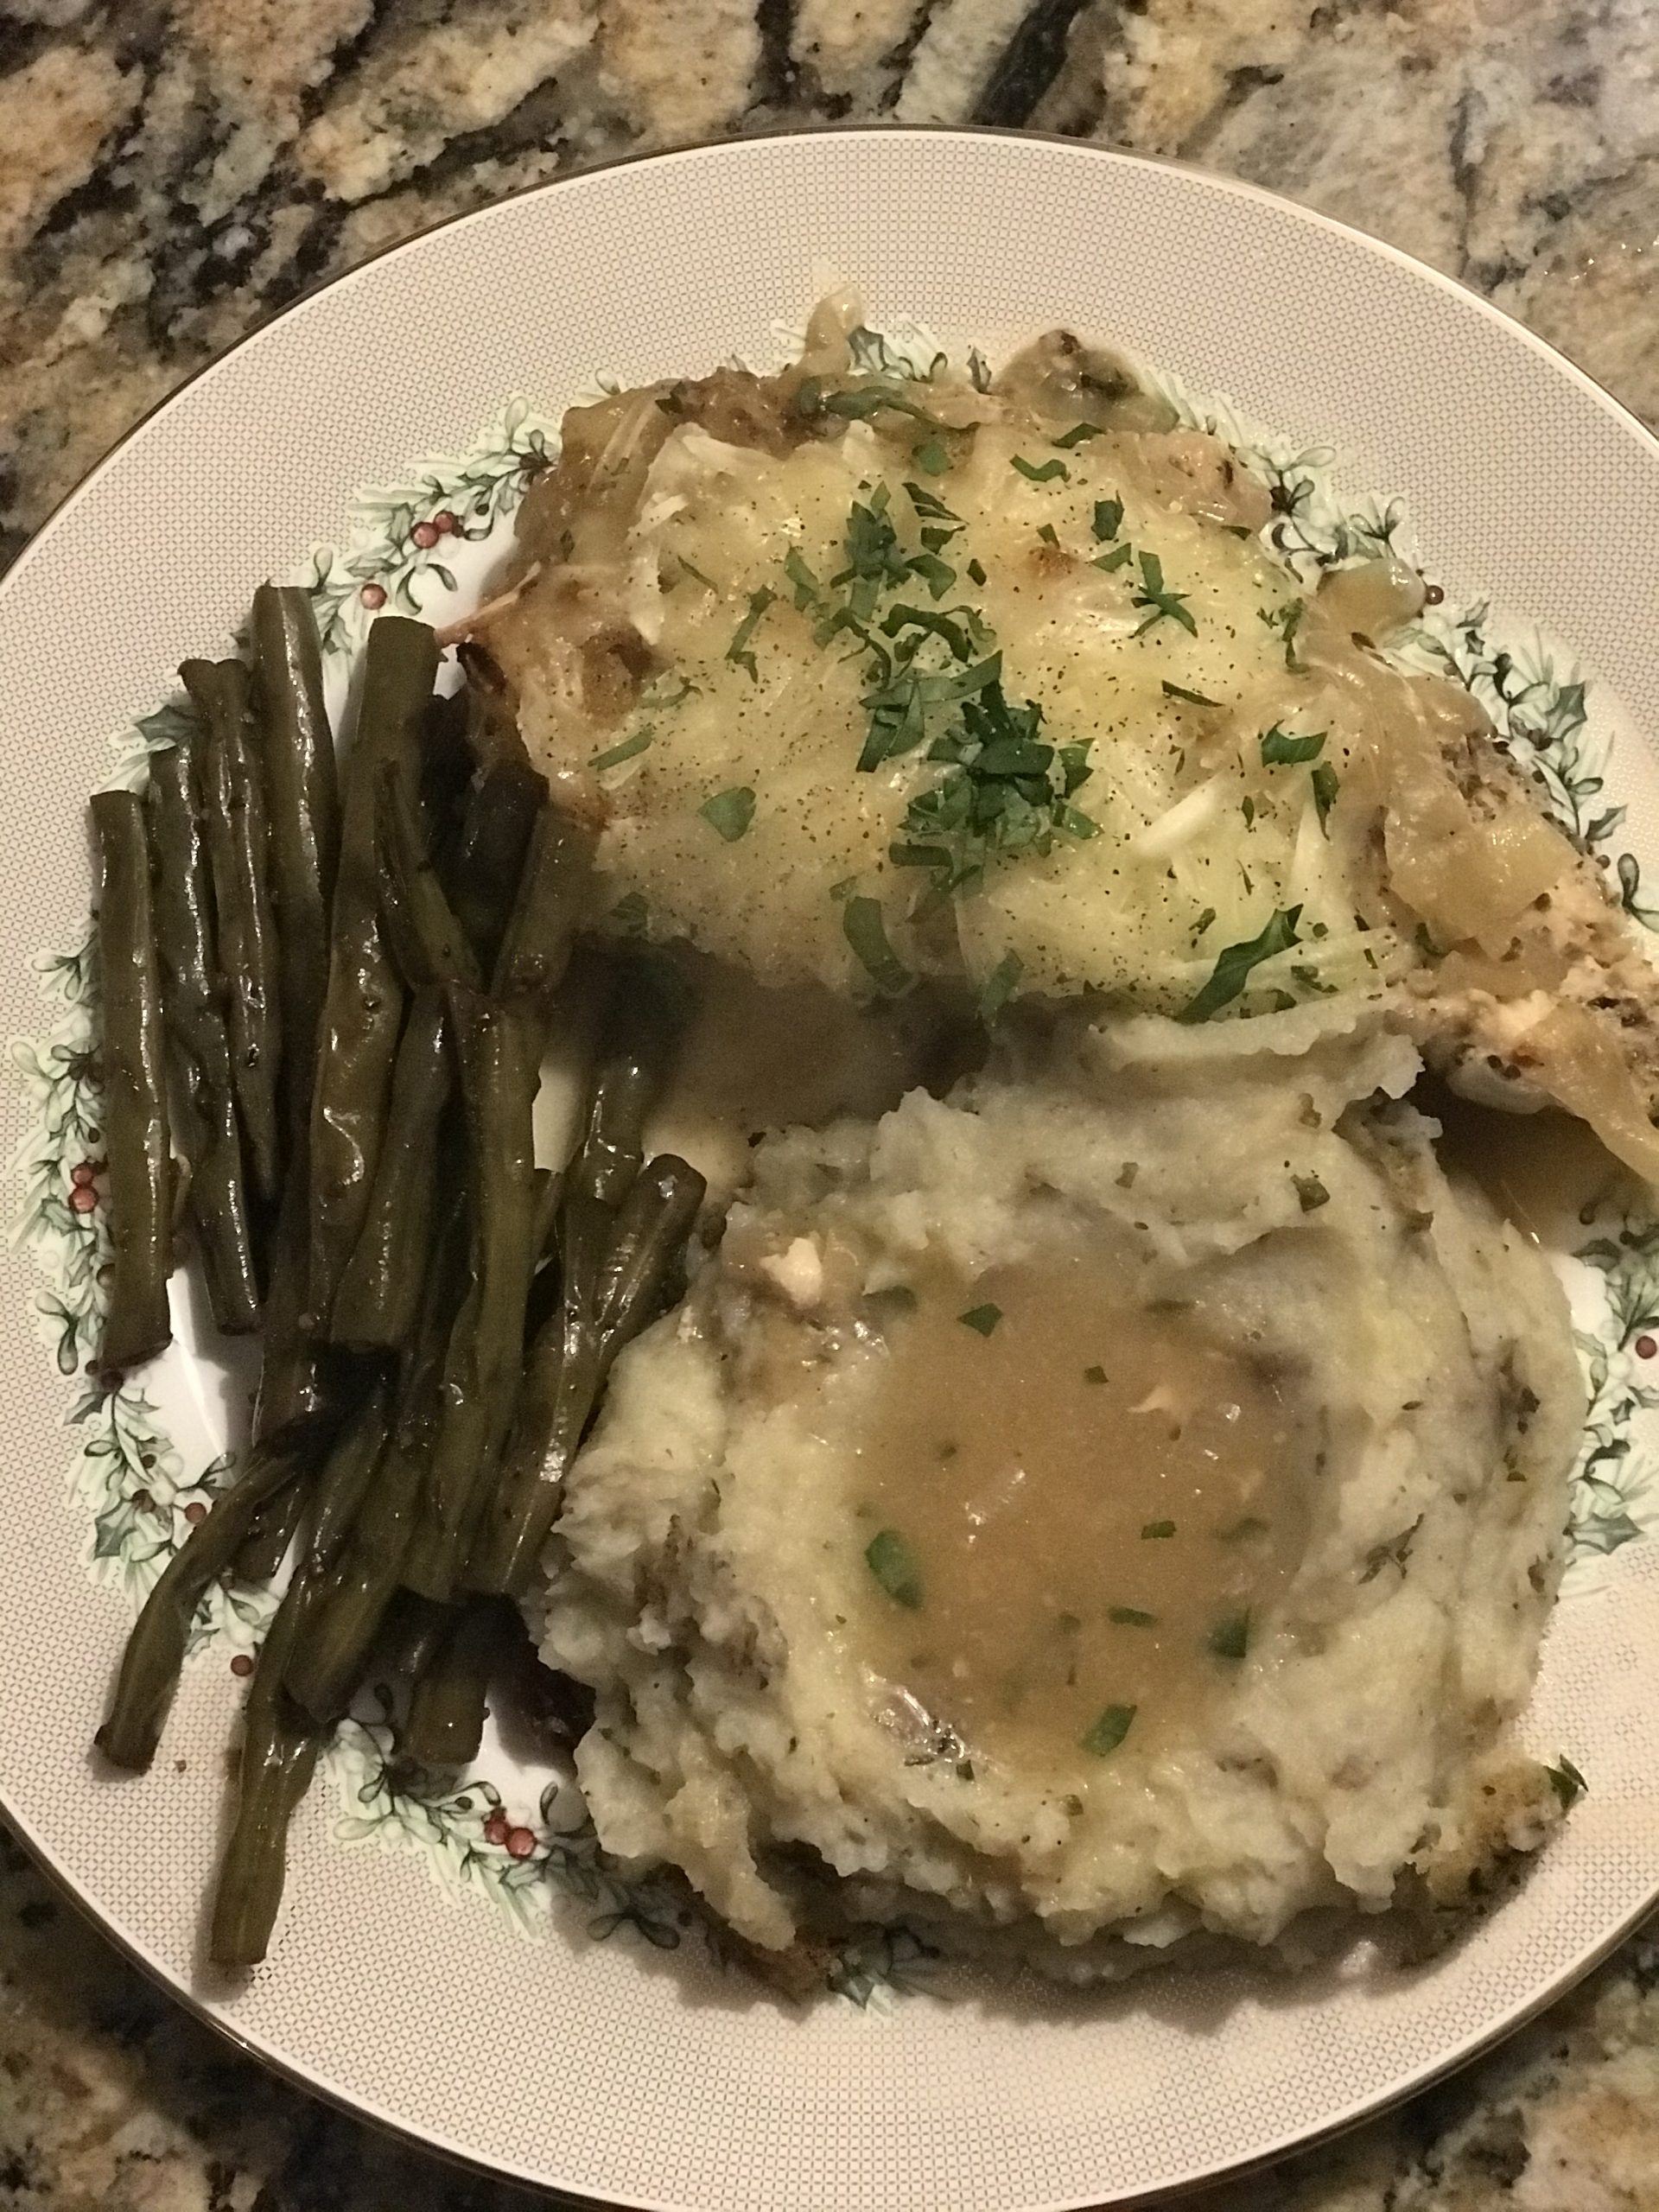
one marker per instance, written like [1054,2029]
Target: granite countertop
[171,173]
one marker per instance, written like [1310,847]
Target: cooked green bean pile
[327,993]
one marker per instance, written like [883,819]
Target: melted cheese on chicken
[869,681]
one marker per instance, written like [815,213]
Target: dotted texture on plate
[609,2069]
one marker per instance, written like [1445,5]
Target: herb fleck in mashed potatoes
[1117,1502]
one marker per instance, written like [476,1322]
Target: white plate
[639,2074]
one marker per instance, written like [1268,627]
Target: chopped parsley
[1109,518]
[929,508]
[1191,698]
[738,651]
[629,749]
[893,1563]
[730,812]
[1049,535]
[1109,1730]
[1155,1528]
[1116,559]
[1231,1636]
[865,930]
[1567,1782]
[1130,1617]
[1287,620]
[1039,471]
[932,457]
[977,571]
[1325,787]
[982,1319]
[999,986]
[1094,1374]
[1233,966]
[1001,791]
[1204,921]
[1163,605]
[1076,436]
[812,402]
[1279,749]
[809,592]
[1311,1193]
[690,568]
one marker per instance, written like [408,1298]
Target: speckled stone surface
[171,173]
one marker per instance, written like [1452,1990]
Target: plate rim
[155,1970]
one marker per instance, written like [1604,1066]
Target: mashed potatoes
[1216,1619]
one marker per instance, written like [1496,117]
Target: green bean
[271,1532]
[428,943]
[301,777]
[135,1132]
[446,1712]
[325,1670]
[488,856]
[446,762]
[280,1745]
[535,947]
[363,1011]
[485,1352]
[155,1648]
[416,1630]
[292,1365]
[380,1290]
[195,1025]
[642,1029]
[612,1287]
[346,1477]
[234,811]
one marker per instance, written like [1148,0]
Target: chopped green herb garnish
[1110,1730]
[1326,786]
[1191,698]
[982,1319]
[977,571]
[730,812]
[1039,471]
[738,649]
[1094,1374]
[865,930]
[1311,1193]
[1279,749]
[1153,1529]
[1163,605]
[1109,518]
[630,915]
[1076,436]
[1233,966]
[1247,808]
[809,592]
[1116,559]
[893,1563]
[932,457]
[629,749]
[999,986]
[929,508]
[847,883]
[1049,535]
[1204,921]
[688,569]
[1287,620]
[1567,1782]
[1130,1617]
[1231,1636]
[858,405]
[1311,979]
